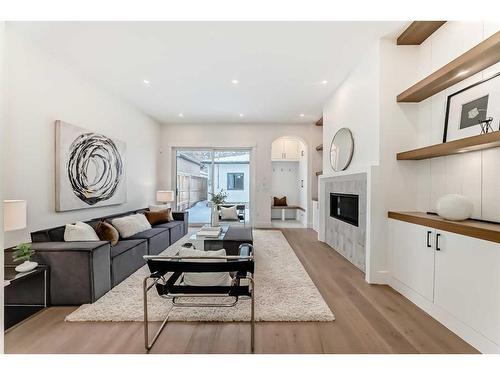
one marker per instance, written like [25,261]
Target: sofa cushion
[107,232]
[170,224]
[80,232]
[157,217]
[129,225]
[147,234]
[125,245]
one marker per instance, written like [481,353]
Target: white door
[277,150]
[413,256]
[291,149]
[467,283]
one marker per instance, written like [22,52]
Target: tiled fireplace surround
[347,239]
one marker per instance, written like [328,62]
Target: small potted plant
[217,199]
[24,252]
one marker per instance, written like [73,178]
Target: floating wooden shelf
[474,60]
[471,228]
[418,31]
[319,122]
[319,148]
[319,173]
[475,143]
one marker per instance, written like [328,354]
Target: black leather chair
[240,267]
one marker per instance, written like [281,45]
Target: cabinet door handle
[437,242]
[429,238]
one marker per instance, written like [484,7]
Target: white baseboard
[468,334]
[379,277]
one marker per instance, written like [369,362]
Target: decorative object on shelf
[14,214]
[90,169]
[24,252]
[471,110]
[341,149]
[486,125]
[454,207]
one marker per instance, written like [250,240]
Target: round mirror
[341,149]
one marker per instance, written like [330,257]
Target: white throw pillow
[205,278]
[157,207]
[228,213]
[80,231]
[142,221]
[129,225]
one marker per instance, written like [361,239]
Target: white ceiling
[190,65]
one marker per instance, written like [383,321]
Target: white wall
[256,136]
[354,105]
[286,181]
[2,156]
[475,174]
[220,178]
[41,89]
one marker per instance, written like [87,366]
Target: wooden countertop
[472,228]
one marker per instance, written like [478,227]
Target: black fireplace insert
[345,207]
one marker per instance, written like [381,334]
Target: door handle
[437,242]
[429,238]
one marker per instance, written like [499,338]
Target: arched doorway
[289,162]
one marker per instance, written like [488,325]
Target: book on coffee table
[209,232]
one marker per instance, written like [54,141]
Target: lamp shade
[165,196]
[14,215]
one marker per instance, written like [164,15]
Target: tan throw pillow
[280,201]
[157,217]
[229,213]
[107,232]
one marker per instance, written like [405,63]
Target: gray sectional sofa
[82,272]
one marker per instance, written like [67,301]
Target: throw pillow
[205,278]
[79,232]
[228,213]
[107,232]
[142,221]
[127,226]
[157,217]
[280,201]
[157,207]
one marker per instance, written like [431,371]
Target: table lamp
[165,196]
[14,215]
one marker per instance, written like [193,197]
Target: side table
[24,293]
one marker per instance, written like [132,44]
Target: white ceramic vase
[454,207]
[26,266]
[215,216]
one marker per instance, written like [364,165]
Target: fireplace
[345,207]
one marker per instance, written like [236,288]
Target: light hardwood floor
[369,319]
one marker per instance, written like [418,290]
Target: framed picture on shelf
[466,109]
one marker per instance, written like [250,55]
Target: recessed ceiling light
[302,115]
[146,82]
[461,73]
[181,115]
[324,82]
[235,81]
[241,114]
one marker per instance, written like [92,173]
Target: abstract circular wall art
[90,169]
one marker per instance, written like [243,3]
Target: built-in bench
[284,208]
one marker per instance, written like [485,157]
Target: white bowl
[454,207]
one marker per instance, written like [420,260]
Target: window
[235,181]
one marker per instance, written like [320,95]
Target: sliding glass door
[200,173]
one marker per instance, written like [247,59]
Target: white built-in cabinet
[458,276]
[285,149]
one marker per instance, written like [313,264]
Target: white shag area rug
[283,292]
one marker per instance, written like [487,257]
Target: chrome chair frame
[161,280]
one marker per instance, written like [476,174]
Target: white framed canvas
[90,169]
[465,109]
